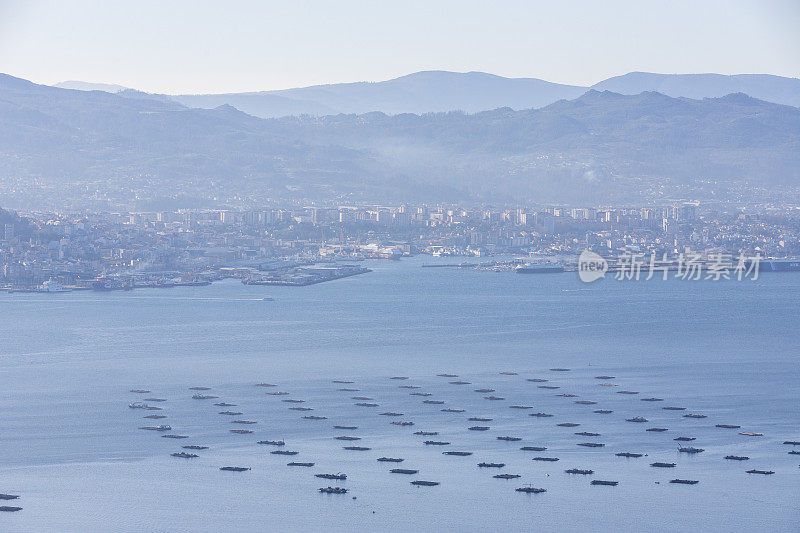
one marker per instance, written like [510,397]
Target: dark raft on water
[331,476]
[684,481]
[460,454]
[425,483]
[663,465]
[506,476]
[403,471]
[579,471]
[531,490]
[628,454]
[184,455]
[234,468]
[491,465]
[533,448]
[603,482]
[390,460]
[737,458]
[765,472]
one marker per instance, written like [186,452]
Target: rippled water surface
[72,450]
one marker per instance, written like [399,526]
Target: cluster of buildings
[125,250]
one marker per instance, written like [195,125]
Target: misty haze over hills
[597,146]
[433,91]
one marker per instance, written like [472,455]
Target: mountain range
[471,92]
[599,145]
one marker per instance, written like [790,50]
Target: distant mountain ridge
[472,92]
[599,145]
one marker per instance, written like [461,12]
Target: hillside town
[306,245]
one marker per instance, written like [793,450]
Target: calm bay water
[728,350]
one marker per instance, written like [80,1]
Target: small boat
[234,468]
[684,481]
[479,419]
[283,452]
[423,394]
[138,405]
[478,428]
[343,382]
[765,472]
[533,448]
[403,471]
[203,397]
[389,413]
[292,400]
[585,402]
[603,482]
[794,452]
[10,508]
[173,436]
[452,410]
[531,490]
[587,434]
[694,415]
[541,415]
[603,411]
[272,442]
[447,375]
[652,399]
[549,387]
[485,391]
[244,422]
[510,439]
[436,443]
[673,408]
[315,417]
[345,437]
[401,423]
[459,454]
[331,476]
[184,455]
[362,404]
[460,383]
[390,460]
[240,431]
[333,490]
[357,448]
[737,458]
[8,496]
[278,393]
[162,427]
[657,430]
[639,419]
[491,465]
[493,398]
[663,465]
[194,447]
[604,377]
[728,426]
[792,442]
[345,427]
[425,483]
[140,391]
[568,425]
[433,402]
[426,433]
[399,377]
[628,454]
[230,413]
[591,444]
[520,407]
[199,388]
[690,449]
[750,434]
[547,459]
[626,392]
[300,464]
[684,439]
[506,476]
[537,380]
[579,471]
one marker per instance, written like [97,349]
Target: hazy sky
[225,46]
